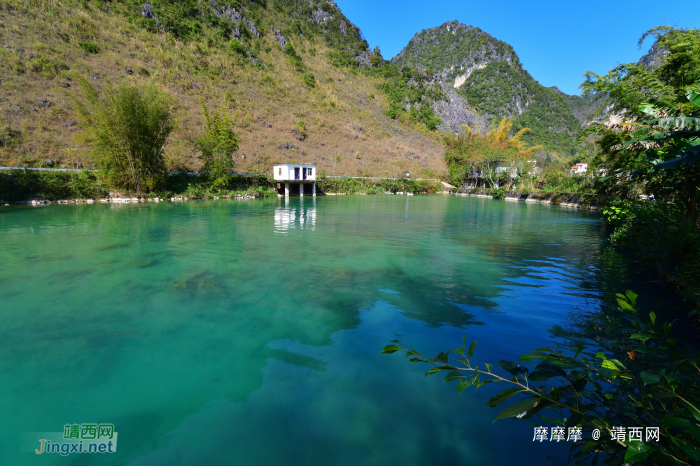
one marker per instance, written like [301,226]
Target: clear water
[249,333]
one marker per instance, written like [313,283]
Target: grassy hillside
[190,49]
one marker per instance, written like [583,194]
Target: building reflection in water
[293,214]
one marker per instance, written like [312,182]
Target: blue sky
[557,41]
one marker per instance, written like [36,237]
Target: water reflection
[197,322]
[294,214]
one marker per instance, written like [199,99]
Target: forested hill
[488,73]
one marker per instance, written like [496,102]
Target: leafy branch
[657,388]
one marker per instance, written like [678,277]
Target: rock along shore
[579,201]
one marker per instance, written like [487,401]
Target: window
[310,171]
[280,171]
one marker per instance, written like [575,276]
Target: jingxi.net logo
[75,438]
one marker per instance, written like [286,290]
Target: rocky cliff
[486,81]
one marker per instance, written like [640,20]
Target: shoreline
[561,199]
[571,200]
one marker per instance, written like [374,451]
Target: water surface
[249,332]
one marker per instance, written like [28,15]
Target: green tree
[471,152]
[632,84]
[671,142]
[638,147]
[377,59]
[127,126]
[217,147]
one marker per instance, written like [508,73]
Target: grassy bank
[377,186]
[22,185]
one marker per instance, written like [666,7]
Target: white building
[298,179]
[579,169]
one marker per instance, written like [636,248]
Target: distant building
[579,169]
[295,179]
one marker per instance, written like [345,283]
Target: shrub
[89,47]
[9,137]
[309,80]
[237,47]
[17,185]
[618,212]
[217,146]
[301,129]
[293,57]
[46,67]
[498,193]
[127,128]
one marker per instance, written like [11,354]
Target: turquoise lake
[249,332]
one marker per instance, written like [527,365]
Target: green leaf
[463,385]
[650,378]
[508,366]
[675,421]
[452,376]
[693,96]
[637,451]
[619,364]
[471,349]
[625,305]
[579,384]
[601,355]
[652,316]
[503,396]
[488,367]
[517,408]
[632,296]
[442,357]
[460,351]
[438,369]
[641,336]
[543,375]
[388,349]
[547,365]
[607,364]
[537,354]
[542,404]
